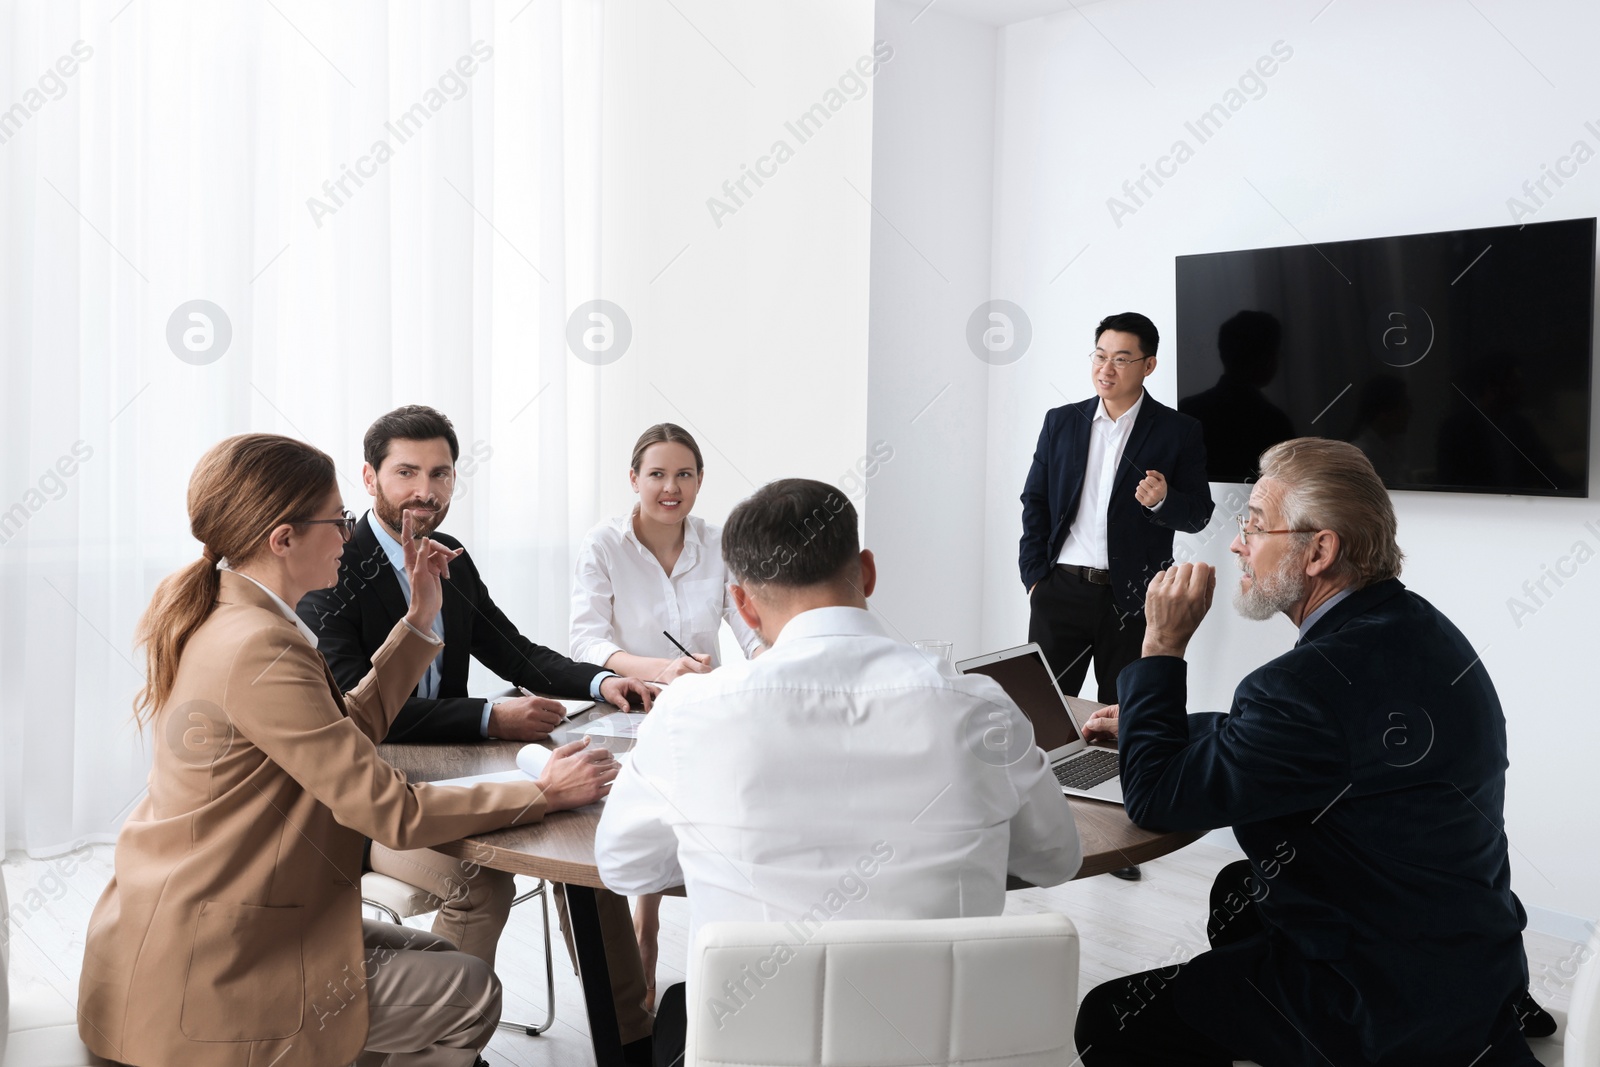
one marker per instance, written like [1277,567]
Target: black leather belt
[1092,575]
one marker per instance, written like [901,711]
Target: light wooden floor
[1124,926]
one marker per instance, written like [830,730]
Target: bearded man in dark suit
[1363,774]
[410,467]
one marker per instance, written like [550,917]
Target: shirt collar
[391,547]
[841,621]
[691,528]
[693,543]
[1327,605]
[288,612]
[1131,415]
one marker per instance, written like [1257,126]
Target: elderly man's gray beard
[1271,593]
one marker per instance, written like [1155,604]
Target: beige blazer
[231,930]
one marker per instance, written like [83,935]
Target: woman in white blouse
[653,572]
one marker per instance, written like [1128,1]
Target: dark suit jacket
[1140,539]
[353,619]
[1363,773]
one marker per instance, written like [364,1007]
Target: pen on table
[678,643]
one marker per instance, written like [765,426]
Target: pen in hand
[677,644]
[703,662]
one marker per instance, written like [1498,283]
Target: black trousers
[672,1027]
[1128,1021]
[1133,1021]
[1074,620]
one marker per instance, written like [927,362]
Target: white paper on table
[530,764]
[617,724]
[531,760]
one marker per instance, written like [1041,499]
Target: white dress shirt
[622,598]
[842,775]
[1086,545]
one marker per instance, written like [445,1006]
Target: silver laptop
[1083,770]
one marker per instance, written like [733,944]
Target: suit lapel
[371,559]
[1131,470]
[1073,473]
[236,589]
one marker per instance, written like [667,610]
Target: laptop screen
[1026,679]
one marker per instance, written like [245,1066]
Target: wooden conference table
[561,849]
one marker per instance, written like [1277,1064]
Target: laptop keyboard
[1088,770]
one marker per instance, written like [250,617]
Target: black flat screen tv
[1457,361]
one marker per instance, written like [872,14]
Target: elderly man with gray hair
[1363,774]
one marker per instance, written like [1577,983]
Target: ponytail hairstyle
[241,490]
[666,433]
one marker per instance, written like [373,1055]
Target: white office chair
[400,900]
[885,993]
[1576,1042]
[36,1029]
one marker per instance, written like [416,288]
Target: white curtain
[389,204]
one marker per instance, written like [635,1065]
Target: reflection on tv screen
[1456,361]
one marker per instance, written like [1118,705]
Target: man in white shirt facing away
[842,775]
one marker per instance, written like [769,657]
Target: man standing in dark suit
[410,466]
[1112,478]
[1363,773]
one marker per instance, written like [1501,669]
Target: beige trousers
[477,900]
[430,1005]
[477,903]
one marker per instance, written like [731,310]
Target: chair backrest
[885,993]
[1581,1047]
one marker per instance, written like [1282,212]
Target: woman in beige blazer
[231,932]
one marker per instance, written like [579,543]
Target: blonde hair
[1330,485]
[240,491]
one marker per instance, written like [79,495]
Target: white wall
[1387,119]
[749,327]
[932,170]
[752,333]
[754,336]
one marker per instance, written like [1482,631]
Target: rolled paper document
[532,758]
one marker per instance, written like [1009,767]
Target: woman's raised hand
[426,563]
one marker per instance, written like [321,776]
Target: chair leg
[542,892]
